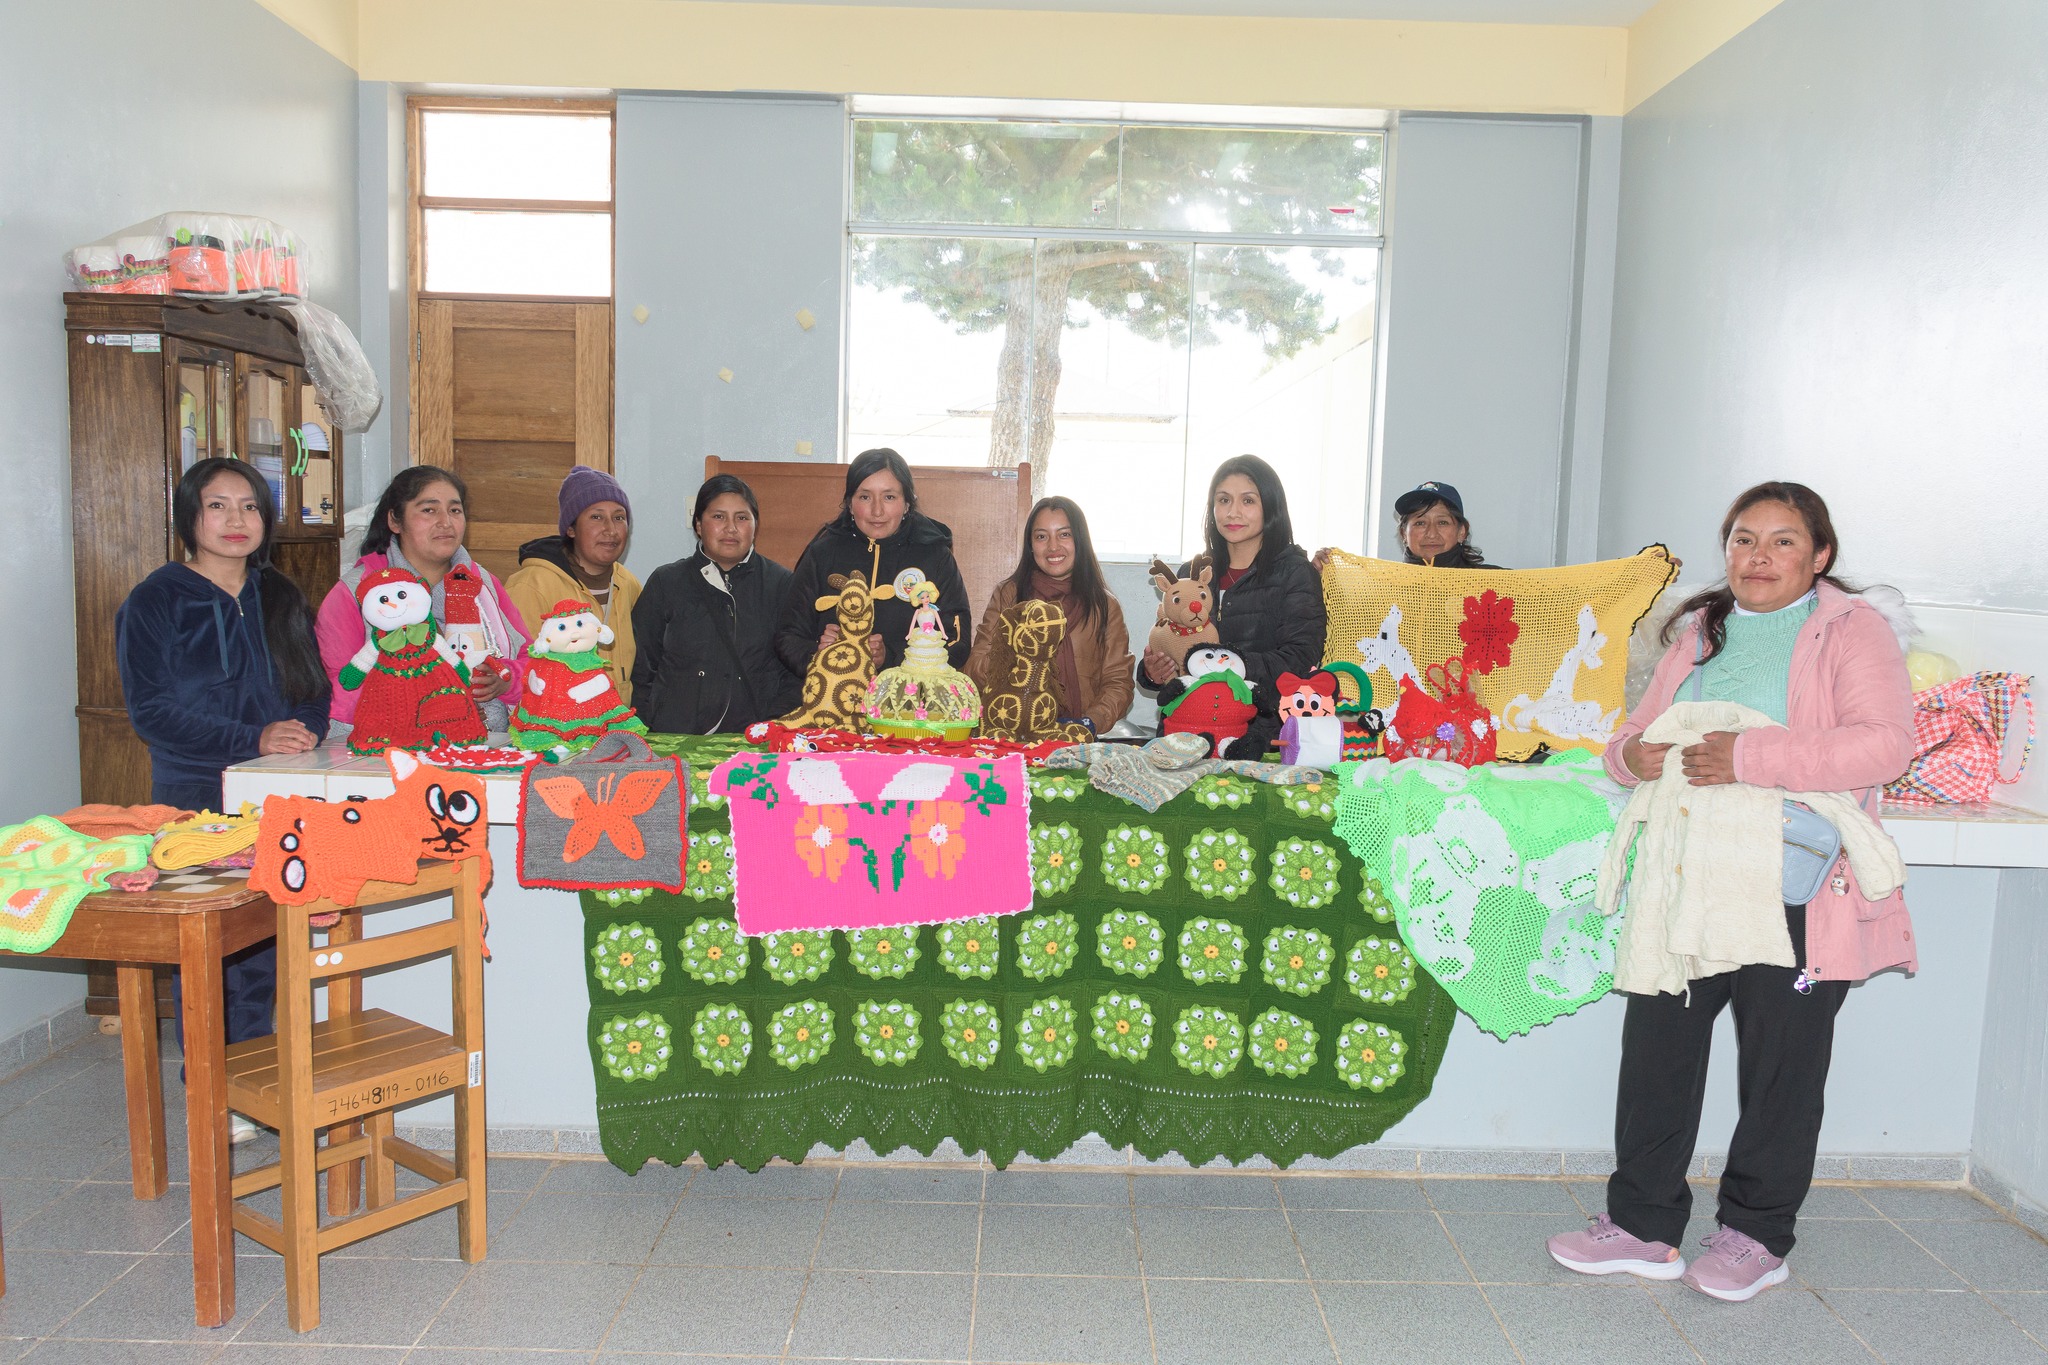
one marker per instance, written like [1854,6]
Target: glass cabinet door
[268,400]
[316,449]
[203,401]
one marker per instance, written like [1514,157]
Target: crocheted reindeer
[1022,703]
[836,683]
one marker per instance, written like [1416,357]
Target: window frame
[418,201]
[1386,129]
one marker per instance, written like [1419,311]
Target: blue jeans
[249,976]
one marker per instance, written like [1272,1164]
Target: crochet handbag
[610,818]
[1959,734]
[1812,843]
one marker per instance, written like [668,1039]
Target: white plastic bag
[341,372]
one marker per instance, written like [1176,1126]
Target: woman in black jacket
[705,625]
[1269,601]
[879,532]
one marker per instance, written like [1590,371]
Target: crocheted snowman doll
[569,699]
[415,688]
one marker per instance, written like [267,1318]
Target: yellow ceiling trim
[332,24]
[1673,37]
[1022,54]
[1003,54]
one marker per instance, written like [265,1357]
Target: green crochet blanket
[1491,872]
[1217,978]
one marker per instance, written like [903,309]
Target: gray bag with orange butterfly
[611,817]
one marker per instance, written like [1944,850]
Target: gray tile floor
[871,1262]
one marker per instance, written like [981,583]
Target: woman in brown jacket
[1058,564]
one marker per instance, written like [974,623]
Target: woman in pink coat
[418,526]
[1784,636]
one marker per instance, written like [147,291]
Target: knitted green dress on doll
[569,700]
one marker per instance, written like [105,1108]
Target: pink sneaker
[1604,1249]
[1736,1267]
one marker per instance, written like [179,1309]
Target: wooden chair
[347,1073]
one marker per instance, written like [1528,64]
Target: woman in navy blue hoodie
[219,665]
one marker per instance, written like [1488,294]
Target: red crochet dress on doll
[569,699]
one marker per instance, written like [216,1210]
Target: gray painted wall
[1831,271]
[2012,1080]
[258,121]
[1483,279]
[731,217]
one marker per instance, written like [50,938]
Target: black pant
[1785,1039]
[249,977]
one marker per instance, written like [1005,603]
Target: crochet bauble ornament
[415,687]
[569,700]
[924,697]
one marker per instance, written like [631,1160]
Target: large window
[513,199]
[1122,306]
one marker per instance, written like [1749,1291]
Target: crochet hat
[380,577]
[585,487]
[1423,494]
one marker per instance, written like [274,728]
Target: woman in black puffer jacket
[1269,600]
[880,532]
[705,626]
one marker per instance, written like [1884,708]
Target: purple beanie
[583,488]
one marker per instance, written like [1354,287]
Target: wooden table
[190,921]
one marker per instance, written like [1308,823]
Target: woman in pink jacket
[1784,636]
[418,525]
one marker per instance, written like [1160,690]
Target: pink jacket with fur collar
[1849,708]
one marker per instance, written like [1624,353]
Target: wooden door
[509,396]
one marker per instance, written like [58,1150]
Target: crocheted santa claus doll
[472,638]
[415,689]
[569,700]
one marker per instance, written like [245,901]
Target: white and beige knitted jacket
[1706,893]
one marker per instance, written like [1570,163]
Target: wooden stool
[347,1074]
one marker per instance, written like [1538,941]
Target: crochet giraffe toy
[836,683]
[1022,703]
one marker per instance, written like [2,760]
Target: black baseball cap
[1423,494]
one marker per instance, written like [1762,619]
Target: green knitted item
[1488,873]
[1754,667]
[1178,986]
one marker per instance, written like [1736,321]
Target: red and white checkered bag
[1960,730]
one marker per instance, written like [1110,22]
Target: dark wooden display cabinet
[158,384]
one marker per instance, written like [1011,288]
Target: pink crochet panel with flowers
[868,841]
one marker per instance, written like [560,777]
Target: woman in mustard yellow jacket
[582,565]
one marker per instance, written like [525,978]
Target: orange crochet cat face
[310,849]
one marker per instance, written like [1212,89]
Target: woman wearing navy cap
[1433,529]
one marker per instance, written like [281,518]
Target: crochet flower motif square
[708,866]
[701,795]
[1283,1044]
[1297,960]
[1135,859]
[970,948]
[1211,950]
[883,954]
[796,955]
[1310,800]
[636,1047]
[1380,971]
[800,1034]
[1208,1041]
[1123,1026]
[617,896]
[1130,943]
[1223,791]
[626,958]
[1045,1034]
[1373,896]
[1370,1056]
[886,1030]
[722,1039]
[1305,873]
[1055,858]
[974,1033]
[1052,785]
[1221,864]
[713,951]
[1047,945]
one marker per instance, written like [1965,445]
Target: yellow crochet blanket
[1545,649]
